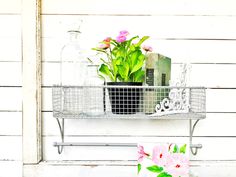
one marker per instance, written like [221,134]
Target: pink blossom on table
[124,33]
[120,38]
[141,153]
[147,48]
[160,155]
[177,165]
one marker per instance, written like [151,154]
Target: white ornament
[178,97]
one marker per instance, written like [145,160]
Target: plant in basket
[123,66]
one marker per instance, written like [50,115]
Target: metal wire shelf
[128,102]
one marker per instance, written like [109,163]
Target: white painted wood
[187,31]
[10,37]
[115,127]
[213,75]
[11,99]
[154,7]
[8,45]
[11,148]
[32,152]
[10,74]
[10,96]
[208,27]
[122,169]
[10,123]
[6,168]
[10,24]
[196,51]
[220,100]
[10,7]
[217,125]
[210,126]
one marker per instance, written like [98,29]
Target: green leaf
[175,149]
[141,41]
[155,169]
[129,42]
[183,149]
[134,58]
[123,70]
[139,64]
[104,69]
[138,76]
[100,50]
[139,167]
[164,174]
[115,62]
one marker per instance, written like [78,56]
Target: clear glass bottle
[94,92]
[73,61]
[73,73]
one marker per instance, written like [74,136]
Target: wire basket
[128,102]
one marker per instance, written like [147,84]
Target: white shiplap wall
[10,88]
[197,31]
[200,32]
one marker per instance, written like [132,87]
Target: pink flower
[105,44]
[147,48]
[120,38]
[108,40]
[160,155]
[124,33]
[177,165]
[141,153]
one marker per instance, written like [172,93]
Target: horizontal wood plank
[157,27]
[116,127]
[207,75]
[10,74]
[10,36]
[11,99]
[195,51]
[10,123]
[124,169]
[11,148]
[11,49]
[6,168]
[10,25]
[10,7]
[148,7]
[210,126]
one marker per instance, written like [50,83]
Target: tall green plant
[125,58]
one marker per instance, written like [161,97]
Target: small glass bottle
[73,73]
[94,92]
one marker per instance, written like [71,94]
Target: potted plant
[123,66]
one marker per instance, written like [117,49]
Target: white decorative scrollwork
[178,97]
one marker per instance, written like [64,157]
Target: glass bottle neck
[74,36]
[92,70]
